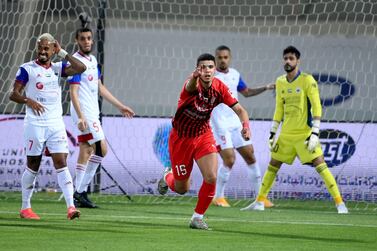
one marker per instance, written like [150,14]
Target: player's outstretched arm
[74,93]
[17,97]
[244,118]
[106,94]
[248,92]
[192,83]
[75,67]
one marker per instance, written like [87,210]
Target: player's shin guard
[267,182]
[223,175]
[255,177]
[169,179]
[66,185]
[90,171]
[205,196]
[27,183]
[330,182]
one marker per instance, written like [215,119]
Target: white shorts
[92,134]
[38,137]
[230,138]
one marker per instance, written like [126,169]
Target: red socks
[169,178]
[205,196]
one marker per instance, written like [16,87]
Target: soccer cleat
[256,206]
[73,213]
[220,202]
[342,209]
[82,200]
[198,223]
[268,203]
[162,187]
[29,214]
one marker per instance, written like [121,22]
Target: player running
[226,128]
[191,137]
[299,107]
[84,89]
[43,124]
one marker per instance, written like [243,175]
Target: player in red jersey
[191,137]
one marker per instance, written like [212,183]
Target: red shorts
[183,151]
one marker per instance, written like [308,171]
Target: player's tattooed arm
[16,96]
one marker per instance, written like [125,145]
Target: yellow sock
[267,182]
[330,182]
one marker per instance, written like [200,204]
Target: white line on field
[214,219]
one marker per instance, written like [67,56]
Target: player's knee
[60,163]
[33,163]
[250,159]
[229,161]
[181,190]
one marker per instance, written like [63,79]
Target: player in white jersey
[85,88]
[226,128]
[43,124]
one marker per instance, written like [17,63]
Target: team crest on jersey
[90,77]
[39,75]
[213,99]
[39,85]
[298,90]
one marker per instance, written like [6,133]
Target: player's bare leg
[208,167]
[27,185]
[65,183]
[267,182]
[322,169]
[253,169]
[228,157]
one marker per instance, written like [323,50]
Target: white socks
[196,215]
[90,171]
[27,186]
[66,185]
[79,173]
[255,177]
[223,175]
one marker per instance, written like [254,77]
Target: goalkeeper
[298,106]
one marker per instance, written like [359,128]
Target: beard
[85,51]
[288,68]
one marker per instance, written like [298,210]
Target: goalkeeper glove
[313,140]
[271,140]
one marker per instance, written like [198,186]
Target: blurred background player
[226,128]
[299,107]
[43,124]
[191,137]
[84,90]
[160,144]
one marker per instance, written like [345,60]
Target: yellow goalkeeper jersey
[296,103]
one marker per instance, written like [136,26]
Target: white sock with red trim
[90,171]
[79,173]
[27,186]
[66,185]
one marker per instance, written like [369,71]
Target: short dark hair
[205,56]
[293,50]
[223,48]
[84,29]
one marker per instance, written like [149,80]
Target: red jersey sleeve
[227,95]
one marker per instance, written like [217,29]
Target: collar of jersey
[297,75]
[44,66]
[84,56]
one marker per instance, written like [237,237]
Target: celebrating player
[191,137]
[298,106]
[226,128]
[84,89]
[43,124]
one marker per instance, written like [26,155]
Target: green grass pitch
[161,223]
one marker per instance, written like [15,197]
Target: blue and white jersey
[42,84]
[88,90]
[223,117]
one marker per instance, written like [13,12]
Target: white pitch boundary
[214,219]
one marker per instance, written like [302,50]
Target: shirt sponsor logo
[39,85]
